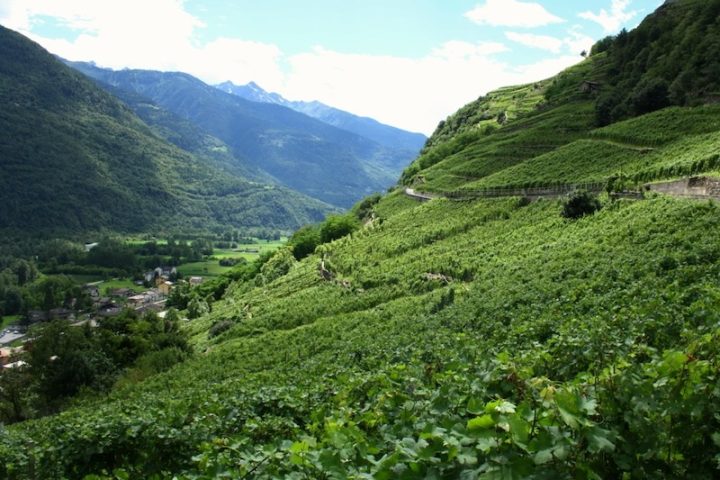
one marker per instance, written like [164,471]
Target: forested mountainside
[310,156]
[488,338]
[391,137]
[75,159]
[186,135]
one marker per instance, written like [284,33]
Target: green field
[83,279]
[136,241]
[212,268]
[208,268]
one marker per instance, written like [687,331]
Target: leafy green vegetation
[670,143]
[579,204]
[670,59]
[8,320]
[517,355]
[66,360]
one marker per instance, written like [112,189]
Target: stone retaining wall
[693,187]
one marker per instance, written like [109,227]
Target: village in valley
[157,283]
[94,299]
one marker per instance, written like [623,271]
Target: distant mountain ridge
[75,159]
[327,163]
[385,135]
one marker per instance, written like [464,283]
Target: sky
[407,63]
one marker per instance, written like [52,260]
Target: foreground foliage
[490,339]
[594,354]
[65,360]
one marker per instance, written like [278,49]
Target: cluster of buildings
[111,304]
[152,299]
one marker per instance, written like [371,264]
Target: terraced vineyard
[671,143]
[504,339]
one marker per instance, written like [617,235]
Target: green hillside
[300,152]
[542,117]
[477,339]
[673,142]
[594,351]
[669,60]
[75,159]
[187,136]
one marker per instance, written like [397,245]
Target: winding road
[689,187]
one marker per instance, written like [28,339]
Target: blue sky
[409,63]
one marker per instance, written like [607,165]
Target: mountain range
[164,151]
[385,135]
[311,156]
[74,158]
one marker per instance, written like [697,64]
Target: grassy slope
[361,369]
[552,138]
[672,142]
[548,115]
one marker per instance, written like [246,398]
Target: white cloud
[544,68]
[574,43]
[239,61]
[543,42]
[612,21]
[511,13]
[155,34]
[412,93]
[455,49]
[127,19]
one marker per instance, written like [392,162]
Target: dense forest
[671,59]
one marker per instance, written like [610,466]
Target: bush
[364,208]
[160,360]
[649,96]
[231,262]
[338,226]
[304,241]
[197,307]
[278,265]
[579,204]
